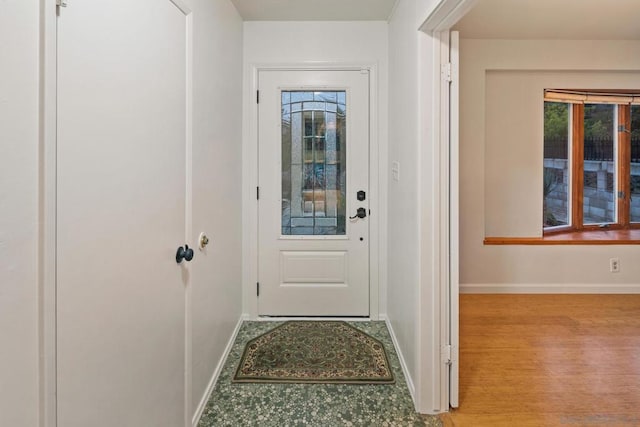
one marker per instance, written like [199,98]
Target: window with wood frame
[591,177]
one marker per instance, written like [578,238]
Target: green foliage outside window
[556,120]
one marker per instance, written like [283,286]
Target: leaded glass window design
[313,162]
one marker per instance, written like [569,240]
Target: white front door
[121,198]
[313,132]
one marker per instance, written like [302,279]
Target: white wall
[19,20]
[513,142]
[502,84]
[412,297]
[336,42]
[287,43]
[217,191]
[403,207]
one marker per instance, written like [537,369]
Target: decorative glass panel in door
[313,162]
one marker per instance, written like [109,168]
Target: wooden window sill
[590,237]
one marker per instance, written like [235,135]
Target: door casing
[250,183]
[434,391]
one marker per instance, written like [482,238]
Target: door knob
[361,213]
[185,253]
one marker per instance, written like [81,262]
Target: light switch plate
[395,170]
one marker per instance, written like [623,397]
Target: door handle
[185,253]
[361,213]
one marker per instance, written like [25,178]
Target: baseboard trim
[329,318]
[403,365]
[517,288]
[216,374]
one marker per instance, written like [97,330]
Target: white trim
[521,288]
[375,190]
[403,364]
[188,312]
[446,14]
[285,319]
[250,178]
[393,11]
[181,5]
[428,301]
[47,213]
[435,286]
[216,374]
[249,202]
[454,224]
[433,320]
[314,66]
[443,190]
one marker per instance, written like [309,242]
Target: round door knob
[185,253]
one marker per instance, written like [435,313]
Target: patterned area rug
[329,352]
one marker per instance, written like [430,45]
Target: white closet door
[121,190]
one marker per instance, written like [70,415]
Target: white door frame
[250,182]
[443,387]
[454,225]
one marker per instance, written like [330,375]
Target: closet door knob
[185,253]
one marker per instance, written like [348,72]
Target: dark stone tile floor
[321,405]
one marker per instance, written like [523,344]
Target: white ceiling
[553,19]
[314,10]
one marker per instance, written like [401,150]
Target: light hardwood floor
[548,360]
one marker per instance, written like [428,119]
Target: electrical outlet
[614,265]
